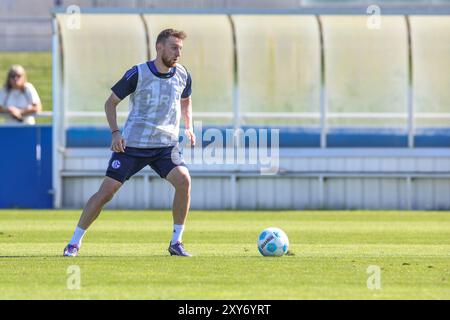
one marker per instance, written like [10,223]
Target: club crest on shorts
[115,164]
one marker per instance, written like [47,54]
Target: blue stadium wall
[26,167]
[298,137]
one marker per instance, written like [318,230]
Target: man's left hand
[191,136]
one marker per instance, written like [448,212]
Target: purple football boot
[177,249]
[71,250]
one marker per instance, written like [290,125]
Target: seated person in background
[19,100]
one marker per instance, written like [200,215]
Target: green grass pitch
[124,256]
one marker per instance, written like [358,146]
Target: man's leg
[181,180]
[95,204]
[91,211]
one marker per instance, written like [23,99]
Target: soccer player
[160,95]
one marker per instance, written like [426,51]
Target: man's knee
[107,190]
[183,182]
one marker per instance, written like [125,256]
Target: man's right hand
[118,143]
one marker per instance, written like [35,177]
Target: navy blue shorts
[123,165]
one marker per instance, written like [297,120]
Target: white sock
[177,233]
[77,236]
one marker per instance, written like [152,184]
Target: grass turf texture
[124,255]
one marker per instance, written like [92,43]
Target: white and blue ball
[273,242]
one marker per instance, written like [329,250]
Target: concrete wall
[25,25]
[309,179]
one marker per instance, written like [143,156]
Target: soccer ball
[273,242]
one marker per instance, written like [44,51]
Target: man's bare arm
[118,143]
[111,111]
[186,112]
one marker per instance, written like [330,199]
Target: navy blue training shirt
[128,83]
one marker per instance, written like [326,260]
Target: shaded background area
[279,75]
[25,27]
[348,48]
[38,65]
[269,68]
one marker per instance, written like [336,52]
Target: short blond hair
[167,33]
